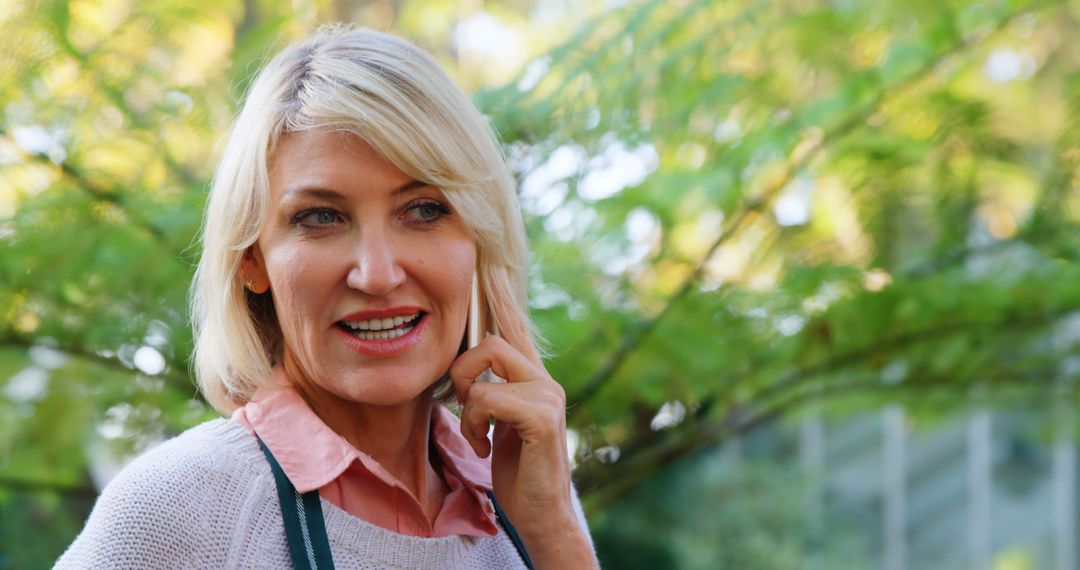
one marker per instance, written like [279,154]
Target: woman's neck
[397,437]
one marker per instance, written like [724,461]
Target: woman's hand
[530,467]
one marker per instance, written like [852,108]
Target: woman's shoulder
[206,455]
[206,445]
[160,506]
[216,462]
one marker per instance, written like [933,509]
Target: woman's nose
[377,270]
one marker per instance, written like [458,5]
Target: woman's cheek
[464,265]
[297,284]
[449,258]
[460,252]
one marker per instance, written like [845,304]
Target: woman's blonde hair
[392,95]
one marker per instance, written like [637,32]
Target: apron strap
[511,531]
[305,530]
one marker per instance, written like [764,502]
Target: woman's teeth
[382,329]
[383,335]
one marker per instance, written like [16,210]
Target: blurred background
[809,267]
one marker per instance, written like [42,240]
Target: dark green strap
[510,530]
[305,530]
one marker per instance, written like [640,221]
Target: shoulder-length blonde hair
[393,96]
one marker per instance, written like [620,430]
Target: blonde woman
[361,220]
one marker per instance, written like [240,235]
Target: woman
[360,199]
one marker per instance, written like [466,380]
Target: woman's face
[369,269]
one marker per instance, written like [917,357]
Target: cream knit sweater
[206,499]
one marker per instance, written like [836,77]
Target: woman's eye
[316,218]
[426,212]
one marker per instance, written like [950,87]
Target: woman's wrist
[559,543]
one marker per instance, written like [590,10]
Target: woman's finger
[475,430]
[494,353]
[488,402]
[534,411]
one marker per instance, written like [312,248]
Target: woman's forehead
[327,165]
[304,145]
[321,154]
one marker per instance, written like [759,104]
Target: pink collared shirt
[315,457]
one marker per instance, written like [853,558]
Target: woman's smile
[383,333]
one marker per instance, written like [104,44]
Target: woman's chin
[384,393]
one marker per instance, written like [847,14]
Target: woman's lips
[383,347]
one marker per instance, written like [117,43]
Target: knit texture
[206,499]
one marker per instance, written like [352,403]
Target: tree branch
[80,180]
[796,161]
[607,486]
[82,353]
[654,450]
[892,344]
[115,97]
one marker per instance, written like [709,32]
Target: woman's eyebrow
[409,186]
[315,192]
[330,194]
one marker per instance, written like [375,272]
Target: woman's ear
[253,271]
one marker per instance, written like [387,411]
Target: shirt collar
[456,452]
[312,455]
